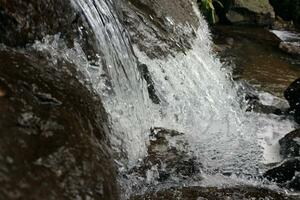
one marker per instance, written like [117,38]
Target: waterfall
[125,97]
[197,96]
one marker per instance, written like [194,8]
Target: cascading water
[197,97]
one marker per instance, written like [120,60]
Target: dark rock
[24,22]
[287,9]
[290,47]
[170,159]
[290,144]
[43,153]
[285,173]
[280,24]
[213,193]
[152,23]
[251,97]
[292,95]
[150,84]
[258,12]
[295,183]
[239,33]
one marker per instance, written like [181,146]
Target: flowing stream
[197,97]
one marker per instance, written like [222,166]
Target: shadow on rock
[53,144]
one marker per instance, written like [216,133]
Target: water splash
[197,97]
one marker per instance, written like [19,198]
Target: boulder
[280,24]
[290,144]
[43,153]
[160,27]
[285,173]
[169,155]
[290,47]
[287,9]
[292,95]
[258,12]
[214,193]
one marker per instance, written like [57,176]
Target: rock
[290,144]
[285,172]
[290,47]
[280,24]
[295,183]
[168,153]
[150,84]
[3,89]
[292,95]
[152,23]
[258,12]
[213,193]
[43,153]
[287,9]
[24,22]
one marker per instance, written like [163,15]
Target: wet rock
[292,95]
[43,153]
[251,97]
[169,154]
[290,144]
[258,12]
[285,173]
[213,193]
[24,22]
[150,84]
[295,182]
[160,27]
[290,47]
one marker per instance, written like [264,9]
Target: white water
[197,93]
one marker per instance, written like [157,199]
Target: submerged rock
[290,144]
[213,193]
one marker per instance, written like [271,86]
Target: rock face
[211,193]
[287,9]
[43,153]
[290,144]
[160,27]
[258,12]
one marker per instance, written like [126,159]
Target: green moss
[208,10]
